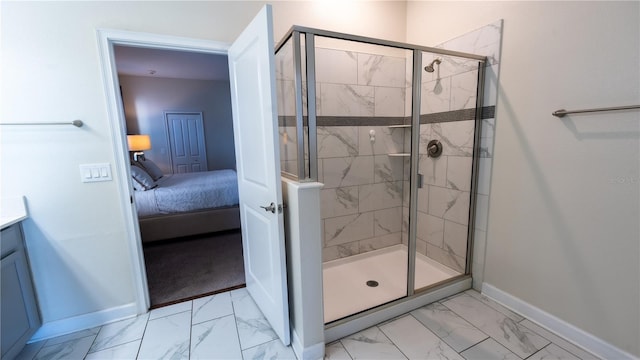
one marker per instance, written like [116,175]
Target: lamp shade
[139,142]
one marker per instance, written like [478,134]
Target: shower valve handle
[434,148]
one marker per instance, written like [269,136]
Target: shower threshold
[345,281]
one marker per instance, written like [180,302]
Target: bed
[178,205]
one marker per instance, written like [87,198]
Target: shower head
[429,68]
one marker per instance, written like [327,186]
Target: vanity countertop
[12,210]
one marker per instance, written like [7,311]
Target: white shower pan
[345,280]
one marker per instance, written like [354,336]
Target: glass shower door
[446,166]
[362,93]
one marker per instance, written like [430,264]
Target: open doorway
[184,172]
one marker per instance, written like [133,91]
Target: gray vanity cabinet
[18,309]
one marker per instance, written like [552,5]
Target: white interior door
[186,142]
[255,128]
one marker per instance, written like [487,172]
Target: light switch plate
[95,172]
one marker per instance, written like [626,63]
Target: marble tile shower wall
[486,41]
[444,199]
[363,193]
[443,202]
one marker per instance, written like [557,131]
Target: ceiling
[149,62]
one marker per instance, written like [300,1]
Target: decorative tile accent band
[488,112]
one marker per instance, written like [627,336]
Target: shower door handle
[271,207]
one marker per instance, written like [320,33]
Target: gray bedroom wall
[147,98]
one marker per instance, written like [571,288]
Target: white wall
[304,266]
[563,230]
[146,98]
[76,233]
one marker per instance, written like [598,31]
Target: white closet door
[186,141]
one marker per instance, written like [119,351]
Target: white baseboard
[82,322]
[313,352]
[562,328]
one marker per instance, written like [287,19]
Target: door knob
[271,207]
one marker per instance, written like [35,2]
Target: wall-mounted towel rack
[77,123]
[562,112]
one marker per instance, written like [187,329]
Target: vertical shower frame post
[310,47]
[297,63]
[475,165]
[413,184]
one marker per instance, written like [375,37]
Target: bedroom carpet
[188,268]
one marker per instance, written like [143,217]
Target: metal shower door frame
[311,174]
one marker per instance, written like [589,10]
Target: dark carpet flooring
[188,268]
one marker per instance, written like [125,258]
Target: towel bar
[76,123]
[562,112]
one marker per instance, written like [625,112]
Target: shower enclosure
[391,130]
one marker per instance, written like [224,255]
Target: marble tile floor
[230,326]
